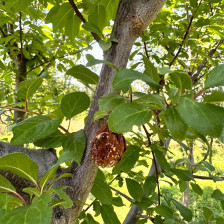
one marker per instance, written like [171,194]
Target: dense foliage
[179,97]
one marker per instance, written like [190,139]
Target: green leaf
[126,115]
[175,124]
[162,160]
[209,165]
[206,119]
[52,141]
[6,186]
[215,77]
[164,70]
[21,165]
[73,145]
[32,191]
[208,213]
[111,8]
[149,185]
[28,88]
[117,201]
[39,213]
[64,15]
[47,176]
[108,215]
[97,16]
[105,45]
[17,5]
[102,191]
[62,195]
[124,77]
[164,211]
[215,97]
[100,114]
[183,174]
[182,185]
[8,202]
[197,189]
[218,195]
[134,189]
[152,101]
[72,26]
[184,211]
[150,70]
[74,103]
[94,61]
[128,160]
[91,219]
[109,101]
[33,129]
[182,81]
[92,28]
[83,74]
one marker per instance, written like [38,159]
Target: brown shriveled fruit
[107,148]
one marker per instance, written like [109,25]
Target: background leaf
[134,189]
[39,213]
[102,191]
[109,101]
[215,77]
[6,186]
[33,129]
[184,211]
[108,215]
[206,119]
[128,160]
[28,88]
[83,74]
[74,103]
[124,116]
[73,145]
[21,165]
[123,79]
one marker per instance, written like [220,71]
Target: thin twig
[199,93]
[95,198]
[21,36]
[146,51]
[3,33]
[122,194]
[207,178]
[204,62]
[185,35]
[155,163]
[31,112]
[53,59]
[79,14]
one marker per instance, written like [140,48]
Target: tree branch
[195,75]
[3,33]
[122,194]
[79,14]
[185,35]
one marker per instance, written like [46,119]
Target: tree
[167,108]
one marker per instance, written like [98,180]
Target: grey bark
[185,199]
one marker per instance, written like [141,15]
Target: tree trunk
[133,17]
[185,199]
[20,77]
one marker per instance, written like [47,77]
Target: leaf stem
[19,196]
[155,163]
